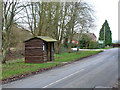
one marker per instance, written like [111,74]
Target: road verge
[56,65]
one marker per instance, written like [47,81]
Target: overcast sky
[106,9]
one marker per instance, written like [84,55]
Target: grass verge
[65,57]
[18,67]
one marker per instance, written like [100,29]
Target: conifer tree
[108,34]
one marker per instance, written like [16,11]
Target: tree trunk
[70,44]
[4,56]
[1,24]
[57,48]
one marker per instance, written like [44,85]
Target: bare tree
[60,23]
[1,14]
[81,19]
[10,10]
[30,18]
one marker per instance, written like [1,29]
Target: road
[97,70]
[75,49]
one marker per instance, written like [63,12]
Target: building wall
[92,35]
[34,51]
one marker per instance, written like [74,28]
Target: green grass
[65,57]
[108,48]
[18,66]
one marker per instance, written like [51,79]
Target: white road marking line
[63,78]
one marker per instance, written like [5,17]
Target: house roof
[45,38]
[93,35]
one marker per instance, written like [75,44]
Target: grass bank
[18,66]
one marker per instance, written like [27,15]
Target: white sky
[106,9]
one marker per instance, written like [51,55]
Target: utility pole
[104,33]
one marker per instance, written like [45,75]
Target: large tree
[11,8]
[106,34]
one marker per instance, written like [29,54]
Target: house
[77,36]
[73,41]
[39,49]
[93,36]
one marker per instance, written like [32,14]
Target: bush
[14,53]
[84,48]
[84,41]
[74,45]
[63,49]
[93,45]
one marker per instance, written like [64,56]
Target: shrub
[84,48]
[84,41]
[93,45]
[63,49]
[14,53]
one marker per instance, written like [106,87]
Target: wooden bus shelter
[39,49]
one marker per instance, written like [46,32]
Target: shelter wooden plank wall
[39,49]
[34,51]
